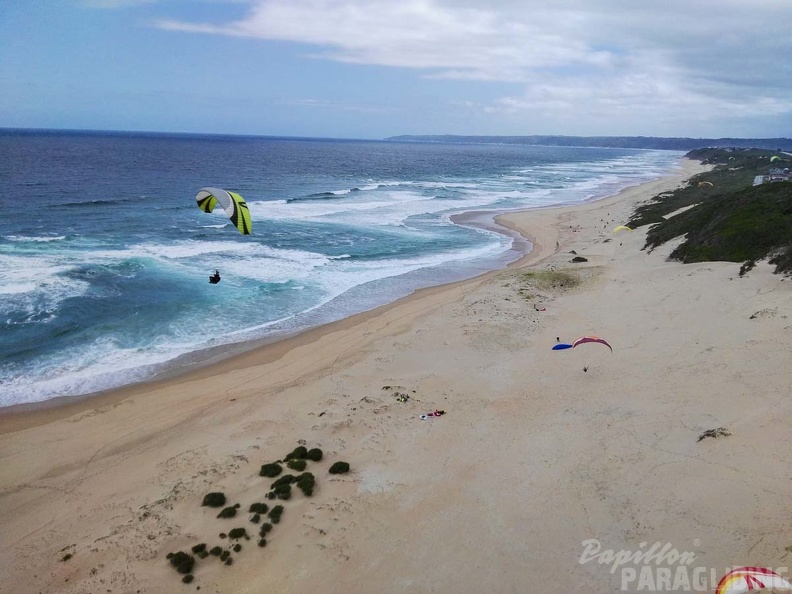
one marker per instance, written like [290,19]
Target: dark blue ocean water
[104,256]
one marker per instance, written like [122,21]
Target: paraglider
[775,158]
[747,579]
[585,339]
[234,205]
[705,183]
[561,346]
[621,228]
[215,278]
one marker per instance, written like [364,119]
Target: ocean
[105,257]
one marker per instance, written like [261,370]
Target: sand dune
[533,457]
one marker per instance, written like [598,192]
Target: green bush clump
[306,483]
[228,512]
[237,547]
[203,554]
[188,578]
[299,452]
[282,492]
[262,542]
[258,508]
[237,533]
[314,454]
[222,535]
[296,464]
[275,514]
[199,548]
[270,495]
[216,551]
[183,562]
[271,470]
[265,528]
[255,518]
[224,555]
[286,479]
[214,499]
[66,557]
[339,468]
[229,561]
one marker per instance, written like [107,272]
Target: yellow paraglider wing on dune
[701,184]
[621,228]
[233,204]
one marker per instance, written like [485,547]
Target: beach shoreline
[539,450]
[524,251]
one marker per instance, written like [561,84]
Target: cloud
[709,56]
[113,3]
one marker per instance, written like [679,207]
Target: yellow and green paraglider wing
[621,228]
[233,204]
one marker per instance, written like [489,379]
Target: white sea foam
[40,239]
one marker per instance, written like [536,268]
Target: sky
[377,68]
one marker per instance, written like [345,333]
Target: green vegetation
[183,562]
[214,499]
[732,220]
[297,464]
[275,514]
[306,483]
[262,542]
[314,454]
[237,533]
[199,548]
[265,528]
[216,551]
[550,279]
[286,479]
[228,512]
[299,452]
[271,470]
[258,508]
[339,468]
[282,491]
[188,578]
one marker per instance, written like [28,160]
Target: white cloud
[709,57]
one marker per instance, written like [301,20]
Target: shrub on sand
[271,470]
[214,499]
[314,454]
[275,514]
[299,452]
[228,512]
[339,468]
[183,562]
[258,508]
[296,464]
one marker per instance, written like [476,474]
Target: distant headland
[639,142]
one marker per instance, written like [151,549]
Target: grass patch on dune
[548,280]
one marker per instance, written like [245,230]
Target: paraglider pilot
[215,278]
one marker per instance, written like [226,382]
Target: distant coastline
[639,142]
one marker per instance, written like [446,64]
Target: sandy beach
[533,457]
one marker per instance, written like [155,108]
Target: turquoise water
[104,257]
